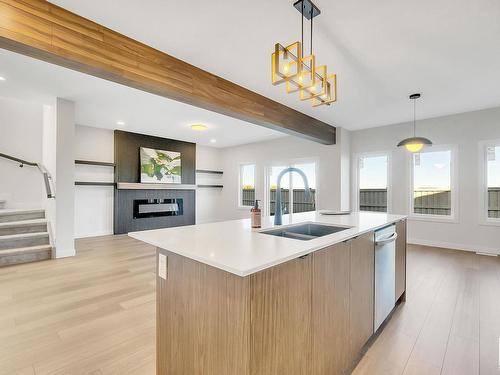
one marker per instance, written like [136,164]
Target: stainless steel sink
[304,232]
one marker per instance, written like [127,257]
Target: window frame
[286,164]
[483,182]
[240,177]
[454,186]
[356,178]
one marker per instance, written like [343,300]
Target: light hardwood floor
[95,314]
[90,314]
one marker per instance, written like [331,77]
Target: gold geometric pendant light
[298,72]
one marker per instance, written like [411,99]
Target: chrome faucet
[278,211]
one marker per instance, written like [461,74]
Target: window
[492,181]
[299,201]
[373,182]
[433,192]
[247,185]
[285,189]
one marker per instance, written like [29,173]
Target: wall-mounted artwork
[161,167]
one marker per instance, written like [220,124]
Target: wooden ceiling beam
[50,33]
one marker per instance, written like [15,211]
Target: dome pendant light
[415,144]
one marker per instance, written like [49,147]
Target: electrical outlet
[162,266]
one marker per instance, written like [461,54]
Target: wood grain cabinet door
[330,309]
[400,258]
[281,319]
[202,320]
[361,298]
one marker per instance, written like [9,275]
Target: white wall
[93,204]
[49,160]
[209,200]
[20,136]
[212,204]
[331,190]
[344,139]
[463,130]
[58,139]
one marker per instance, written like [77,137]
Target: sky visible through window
[248,176]
[493,166]
[373,172]
[308,168]
[285,181]
[432,170]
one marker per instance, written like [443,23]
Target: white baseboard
[455,246]
[94,234]
[66,253]
[487,254]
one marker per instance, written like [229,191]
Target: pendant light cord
[414,118]
[302,29]
[302,21]
[311,31]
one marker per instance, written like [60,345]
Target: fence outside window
[373,200]
[432,202]
[429,202]
[494,202]
[300,202]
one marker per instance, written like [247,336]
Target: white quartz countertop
[235,247]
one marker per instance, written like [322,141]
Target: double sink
[305,231]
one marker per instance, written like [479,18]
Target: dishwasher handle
[386,240]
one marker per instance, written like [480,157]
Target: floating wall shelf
[94,183]
[91,162]
[210,186]
[208,171]
[139,186]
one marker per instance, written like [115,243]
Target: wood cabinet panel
[281,319]
[203,320]
[361,295]
[330,313]
[400,258]
[310,315]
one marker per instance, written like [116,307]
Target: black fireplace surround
[143,209]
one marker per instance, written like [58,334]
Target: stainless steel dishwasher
[385,273]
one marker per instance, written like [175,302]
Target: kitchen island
[233,300]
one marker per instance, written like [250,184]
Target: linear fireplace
[143,206]
[152,209]
[157,207]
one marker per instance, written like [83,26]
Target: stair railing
[47,178]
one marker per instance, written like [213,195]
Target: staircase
[24,237]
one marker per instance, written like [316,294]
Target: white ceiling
[101,104]
[381,50]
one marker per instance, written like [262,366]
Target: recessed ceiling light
[213,140]
[120,122]
[199,127]
[2,78]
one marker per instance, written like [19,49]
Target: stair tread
[19,223]
[28,249]
[24,235]
[14,211]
